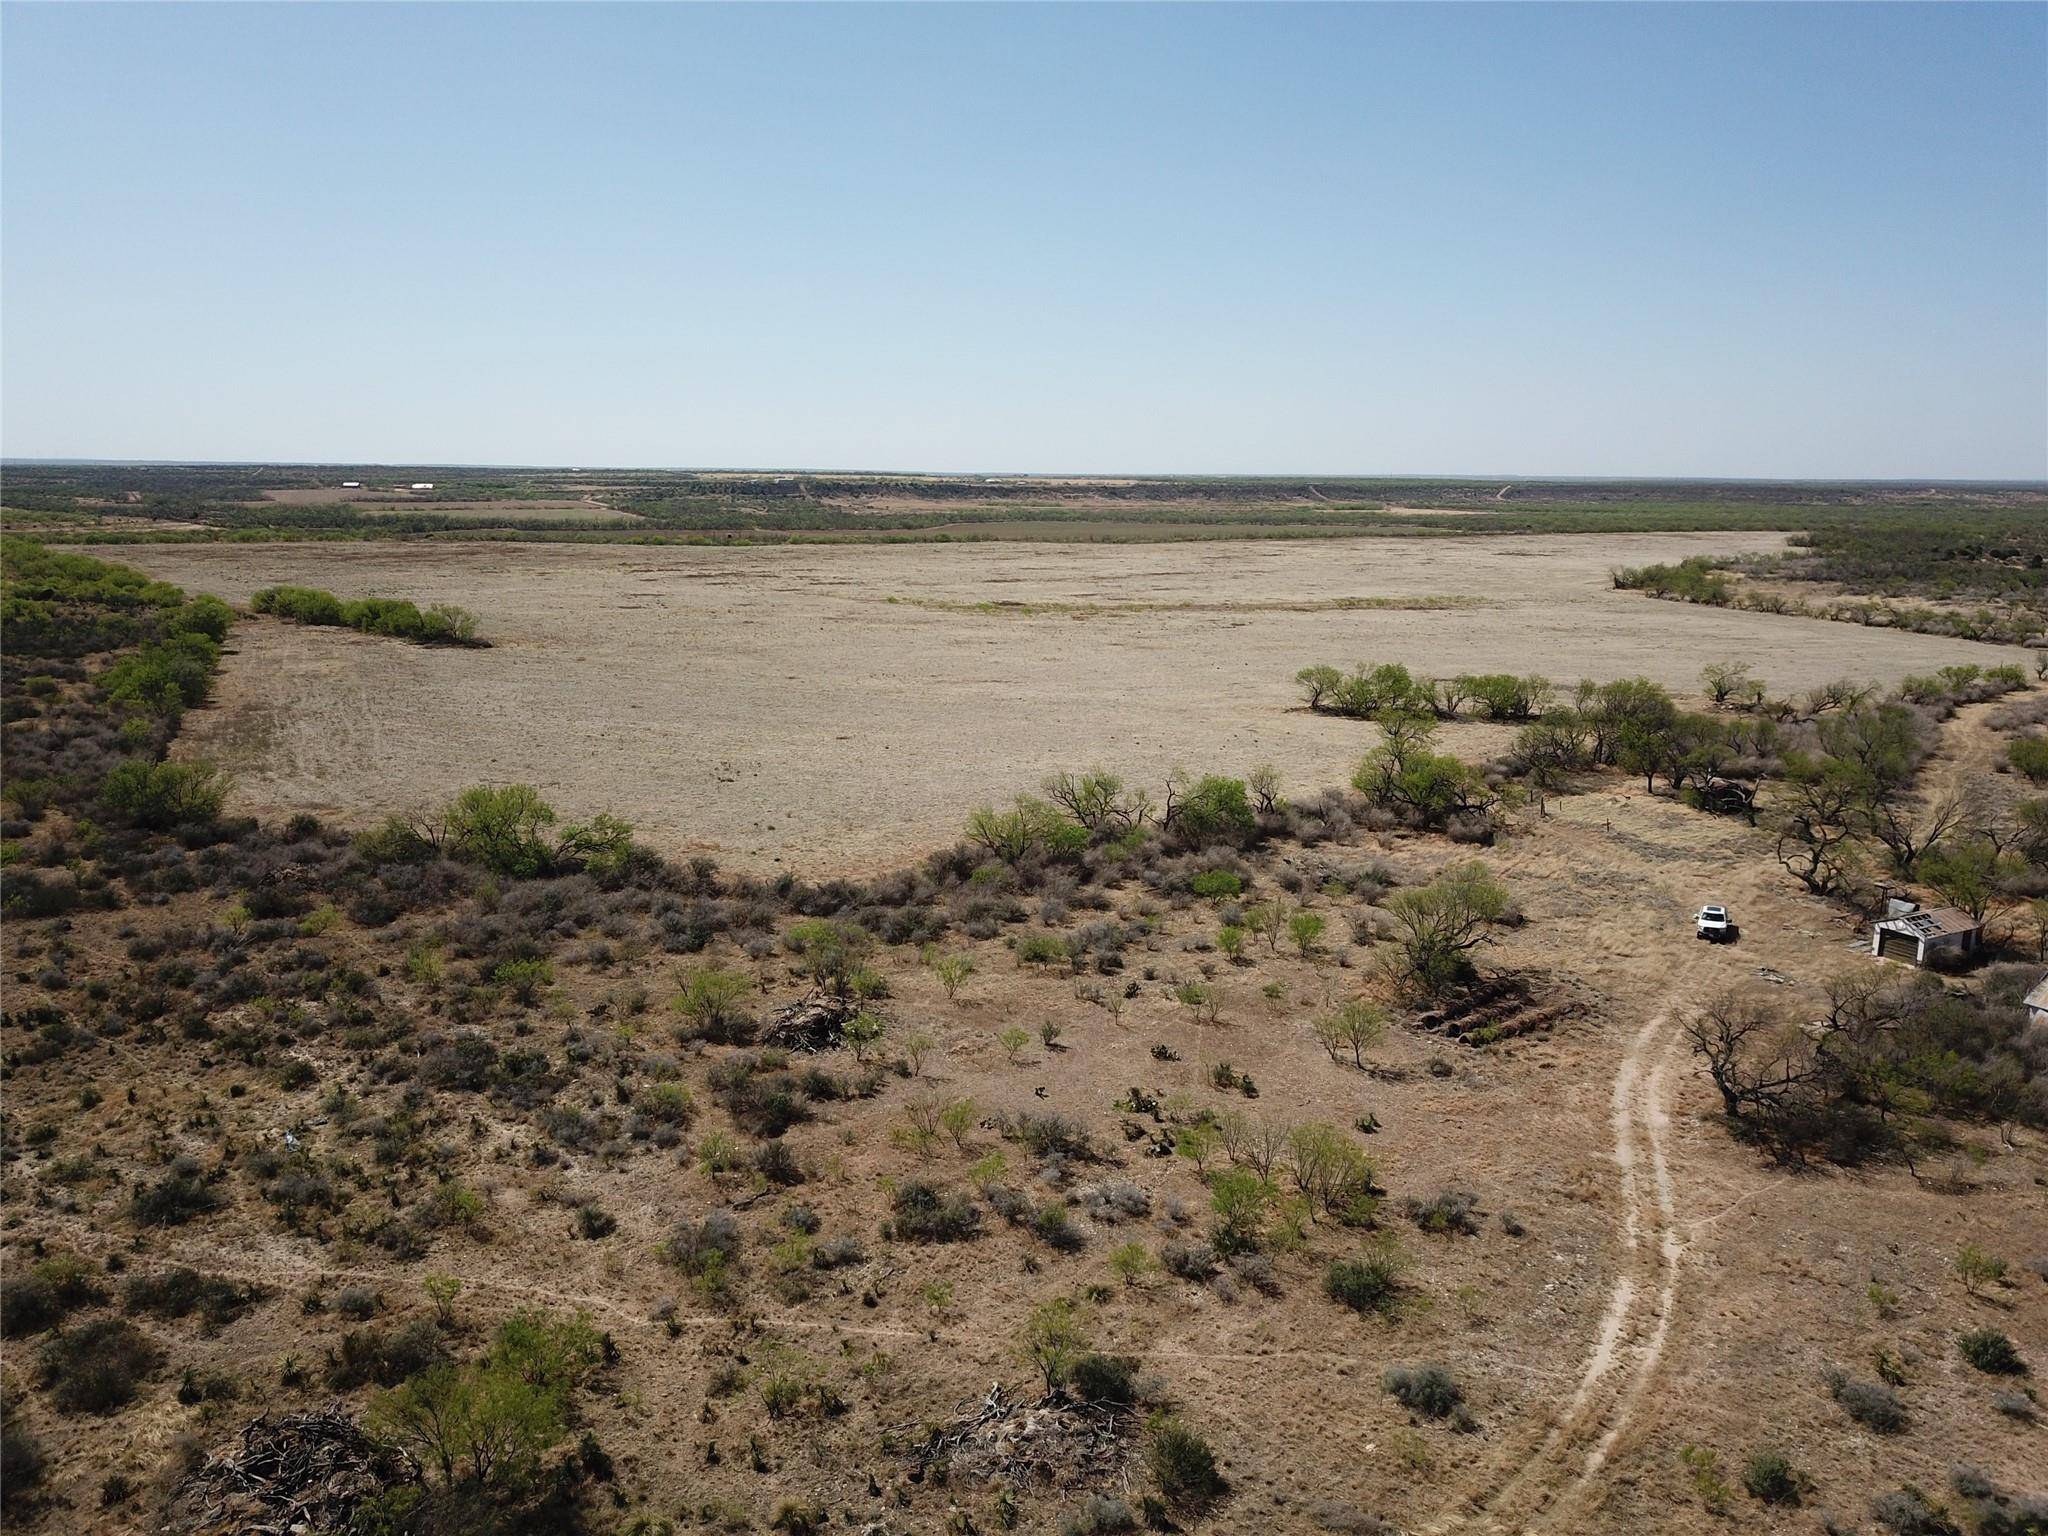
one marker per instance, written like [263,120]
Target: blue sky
[1745,240]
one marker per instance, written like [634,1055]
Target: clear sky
[1744,240]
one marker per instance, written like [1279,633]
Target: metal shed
[1919,934]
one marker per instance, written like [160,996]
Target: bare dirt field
[775,706]
[396,501]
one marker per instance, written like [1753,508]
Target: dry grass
[772,706]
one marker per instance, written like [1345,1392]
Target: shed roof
[1932,922]
[2038,998]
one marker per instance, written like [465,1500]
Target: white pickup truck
[1714,926]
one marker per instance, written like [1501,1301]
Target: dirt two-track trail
[1541,1486]
[1550,1473]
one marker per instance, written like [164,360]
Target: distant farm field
[843,708]
[384,502]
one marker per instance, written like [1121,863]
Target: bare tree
[1908,831]
[1756,1061]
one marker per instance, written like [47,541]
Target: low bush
[1991,1352]
[1447,1211]
[182,1291]
[1100,1515]
[1104,1379]
[22,1461]
[2029,756]
[712,1007]
[98,1366]
[925,1215]
[165,678]
[1209,810]
[1181,1463]
[1771,1478]
[49,1292]
[1909,1512]
[368,1355]
[1369,1283]
[1871,1404]
[160,796]
[1427,1389]
[180,1194]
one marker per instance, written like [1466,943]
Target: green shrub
[1427,788]
[163,795]
[204,615]
[1772,1478]
[1694,579]
[397,618]
[525,979]
[166,677]
[1181,1463]
[1030,828]
[1212,809]
[1503,696]
[711,1006]
[2029,755]
[665,1104]
[48,1293]
[1319,685]
[488,1423]
[1217,884]
[1104,1378]
[1041,949]
[1991,1352]
[1369,1283]
[503,827]
[1367,693]
[1437,925]
[834,952]
[301,605]
[1428,1389]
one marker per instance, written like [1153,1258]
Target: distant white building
[351,485]
[423,485]
[1918,935]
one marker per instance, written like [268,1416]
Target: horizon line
[1469,477]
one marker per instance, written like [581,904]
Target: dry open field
[1636,1282]
[777,706]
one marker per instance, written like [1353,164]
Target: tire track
[1540,1489]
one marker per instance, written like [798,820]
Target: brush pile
[296,1473]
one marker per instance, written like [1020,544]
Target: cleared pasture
[773,705]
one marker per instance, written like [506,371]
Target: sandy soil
[774,706]
[1670,1289]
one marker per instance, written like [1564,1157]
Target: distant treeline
[1975,576]
[762,507]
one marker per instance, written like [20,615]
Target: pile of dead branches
[812,1023]
[1055,1442]
[288,1476]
